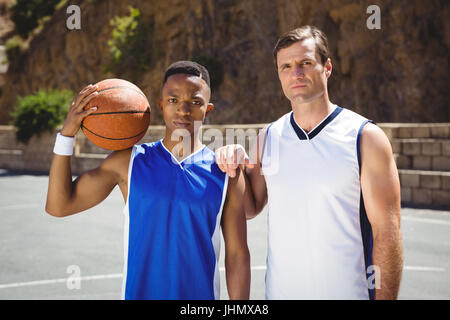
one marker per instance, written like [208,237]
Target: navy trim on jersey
[330,118]
[302,135]
[367,239]
[358,147]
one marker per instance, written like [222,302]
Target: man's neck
[309,114]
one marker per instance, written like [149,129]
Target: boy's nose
[184,108]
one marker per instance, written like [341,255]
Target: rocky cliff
[398,73]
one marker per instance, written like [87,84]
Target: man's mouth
[298,85]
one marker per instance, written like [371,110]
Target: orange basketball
[122,116]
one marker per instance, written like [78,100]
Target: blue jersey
[172,225]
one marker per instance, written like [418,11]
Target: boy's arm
[234,228]
[65,197]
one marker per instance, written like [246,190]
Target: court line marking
[429,269]
[119,275]
[60,280]
[427,220]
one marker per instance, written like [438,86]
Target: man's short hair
[301,34]
[187,67]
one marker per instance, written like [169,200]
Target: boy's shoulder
[146,147]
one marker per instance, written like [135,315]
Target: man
[176,198]
[330,184]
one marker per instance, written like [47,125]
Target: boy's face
[185,100]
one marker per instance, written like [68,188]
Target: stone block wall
[422,154]
[421,151]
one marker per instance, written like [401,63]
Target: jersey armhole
[358,141]
[130,168]
[264,144]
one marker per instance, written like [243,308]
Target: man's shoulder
[278,124]
[374,142]
[373,134]
[281,120]
[348,113]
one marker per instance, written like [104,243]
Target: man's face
[185,100]
[302,75]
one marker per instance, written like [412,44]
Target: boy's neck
[182,146]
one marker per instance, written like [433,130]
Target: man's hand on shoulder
[230,157]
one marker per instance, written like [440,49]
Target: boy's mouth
[181,124]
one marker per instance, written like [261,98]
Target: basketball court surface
[81,256]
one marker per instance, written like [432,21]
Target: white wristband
[63,145]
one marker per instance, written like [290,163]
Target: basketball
[122,116]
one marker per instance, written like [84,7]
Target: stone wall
[421,151]
[422,154]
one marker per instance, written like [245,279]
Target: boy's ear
[209,107]
[160,104]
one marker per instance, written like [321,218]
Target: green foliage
[124,32]
[129,44]
[26,14]
[43,111]
[14,47]
[214,67]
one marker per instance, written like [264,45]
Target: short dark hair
[301,34]
[187,67]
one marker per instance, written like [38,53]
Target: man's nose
[298,72]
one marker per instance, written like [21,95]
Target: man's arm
[232,157]
[381,193]
[234,229]
[65,197]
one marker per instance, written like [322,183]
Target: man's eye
[307,62]
[197,103]
[172,100]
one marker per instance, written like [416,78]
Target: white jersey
[319,238]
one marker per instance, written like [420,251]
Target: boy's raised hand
[77,113]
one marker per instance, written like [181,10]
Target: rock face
[398,73]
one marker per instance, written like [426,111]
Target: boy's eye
[172,100]
[197,103]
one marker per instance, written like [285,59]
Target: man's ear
[328,68]
[209,107]
[160,104]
